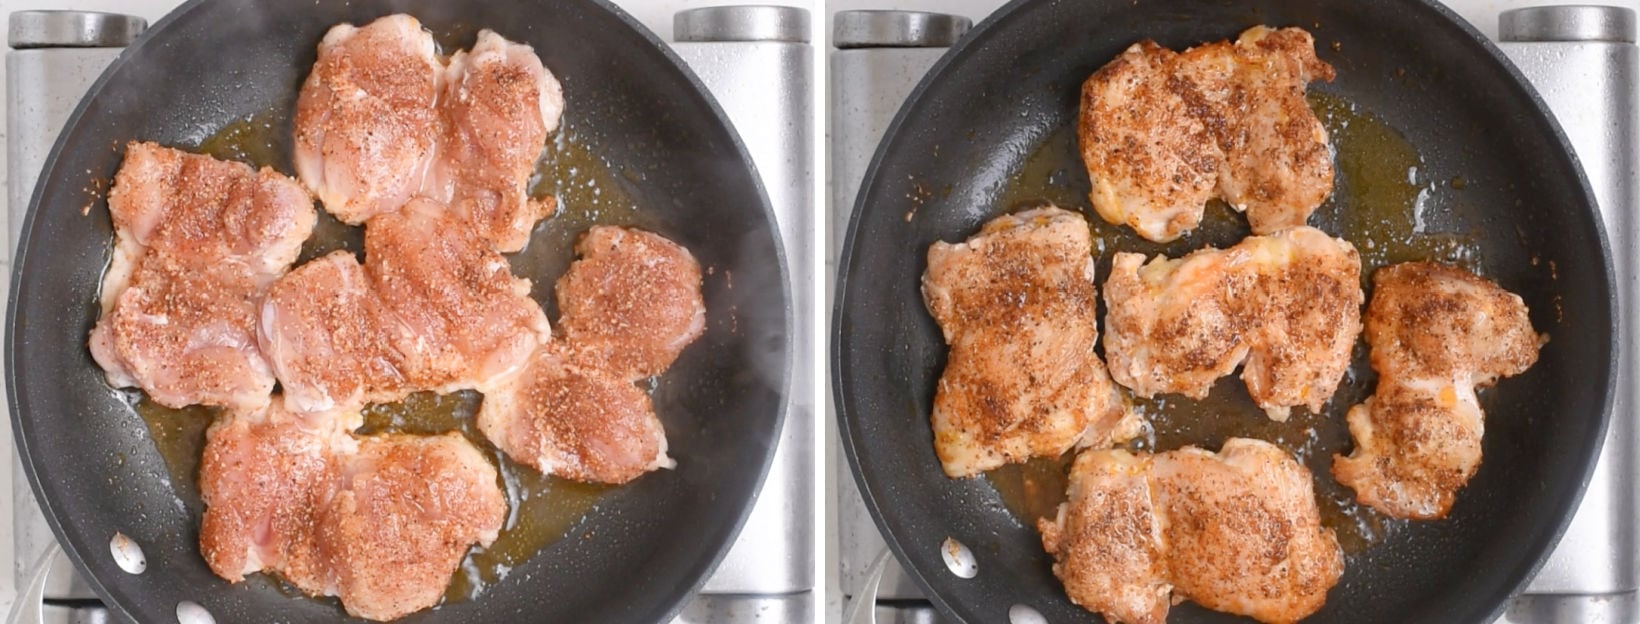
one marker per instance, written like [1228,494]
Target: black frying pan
[645,547]
[1009,90]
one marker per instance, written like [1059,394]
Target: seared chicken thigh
[1243,531]
[629,305]
[1436,333]
[1288,305]
[1163,132]
[499,104]
[366,122]
[1017,305]
[1237,531]
[381,521]
[1107,539]
[197,240]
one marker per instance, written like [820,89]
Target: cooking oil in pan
[1383,203]
[257,140]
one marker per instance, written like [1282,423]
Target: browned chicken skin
[380,521]
[1436,333]
[1286,306]
[1163,132]
[432,308]
[1017,305]
[498,106]
[197,240]
[1237,531]
[629,306]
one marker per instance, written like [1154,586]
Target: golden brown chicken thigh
[1287,307]
[1163,132]
[1436,333]
[1236,531]
[1017,305]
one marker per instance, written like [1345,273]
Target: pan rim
[974,40]
[781,380]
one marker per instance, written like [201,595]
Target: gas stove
[756,61]
[1582,60]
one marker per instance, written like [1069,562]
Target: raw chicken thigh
[499,104]
[197,241]
[366,118]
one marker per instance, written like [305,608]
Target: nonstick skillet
[1493,172]
[643,548]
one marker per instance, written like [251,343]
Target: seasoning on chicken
[1287,305]
[498,106]
[197,241]
[1163,132]
[326,334]
[406,510]
[629,306]
[1436,333]
[432,308]
[1017,305]
[1237,531]
[366,122]
[632,299]
[566,415]
[380,521]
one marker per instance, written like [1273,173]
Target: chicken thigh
[1237,531]
[1288,305]
[629,305]
[498,105]
[1163,132]
[1436,333]
[432,308]
[1017,305]
[406,510]
[632,300]
[566,415]
[197,241]
[366,122]
[263,476]
[382,522]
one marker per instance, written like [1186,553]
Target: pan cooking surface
[225,74]
[1435,133]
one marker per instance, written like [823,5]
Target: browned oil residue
[1383,202]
